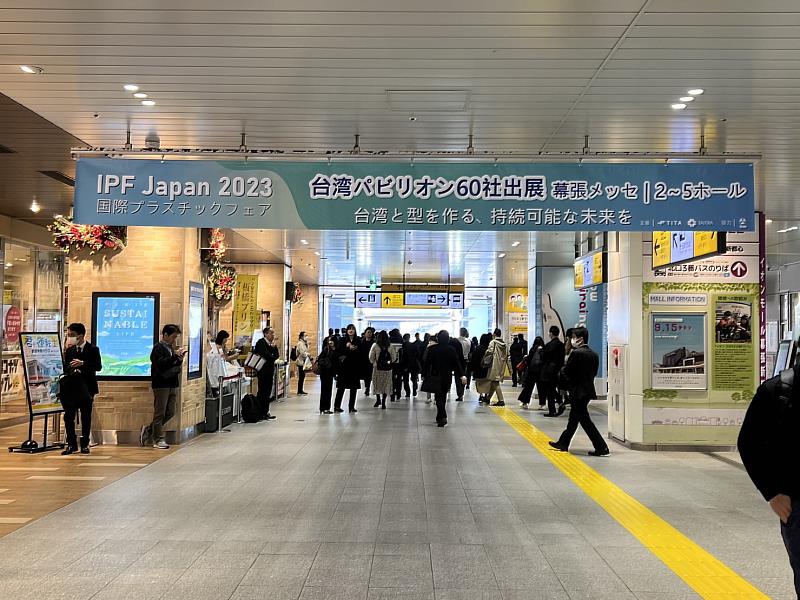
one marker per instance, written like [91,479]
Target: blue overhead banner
[433,196]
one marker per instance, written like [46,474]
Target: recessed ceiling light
[304,242]
[696,91]
[140,95]
[131,87]
[9,265]
[31,70]
[501,255]
[317,253]
[148,102]
[35,206]
[686,98]
[515,244]
[768,221]
[678,106]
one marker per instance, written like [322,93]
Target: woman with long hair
[533,362]
[381,360]
[479,372]
[367,339]
[348,370]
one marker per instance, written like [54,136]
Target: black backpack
[249,408]
[293,354]
[384,360]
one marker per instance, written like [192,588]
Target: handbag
[488,359]
[315,367]
[521,366]
[432,384]
[307,364]
[72,390]
[255,362]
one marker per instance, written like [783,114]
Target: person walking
[301,349]
[517,352]
[367,340]
[479,371]
[81,358]
[498,351]
[466,349]
[396,351]
[579,372]
[409,365]
[473,347]
[166,363]
[430,342]
[380,357]
[349,370]
[326,368]
[553,360]
[440,365]
[459,349]
[266,349]
[533,368]
[771,455]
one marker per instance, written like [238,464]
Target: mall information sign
[444,196]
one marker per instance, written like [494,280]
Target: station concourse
[245,207]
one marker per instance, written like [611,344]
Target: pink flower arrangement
[221,278]
[68,236]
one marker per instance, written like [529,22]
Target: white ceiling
[522,76]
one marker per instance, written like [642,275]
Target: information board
[125,328]
[675,247]
[590,270]
[196,307]
[43,364]
[456,300]
[425,299]
[678,347]
[367,299]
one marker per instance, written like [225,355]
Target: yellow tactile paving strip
[701,571]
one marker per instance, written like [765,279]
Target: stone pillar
[156,259]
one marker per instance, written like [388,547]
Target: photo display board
[125,328]
[43,363]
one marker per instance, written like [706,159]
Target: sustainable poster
[125,327]
[196,307]
[678,351]
[734,366]
[43,364]
[246,316]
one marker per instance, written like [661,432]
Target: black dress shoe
[325,412]
[68,450]
[85,450]
[338,410]
[603,452]
[558,447]
[270,417]
[560,410]
[442,424]
[377,404]
[549,414]
[352,410]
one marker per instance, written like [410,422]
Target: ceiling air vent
[60,177]
[6,150]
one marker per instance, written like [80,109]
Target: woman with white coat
[302,355]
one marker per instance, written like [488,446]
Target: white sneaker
[161,445]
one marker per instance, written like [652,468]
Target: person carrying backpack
[533,368]
[771,455]
[380,356]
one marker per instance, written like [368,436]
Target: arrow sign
[387,301]
[441,299]
[739,269]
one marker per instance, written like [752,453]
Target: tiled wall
[159,260]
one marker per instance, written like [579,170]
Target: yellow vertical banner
[517,310]
[246,316]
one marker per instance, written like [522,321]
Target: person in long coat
[479,372]
[326,367]
[349,369]
[382,380]
[497,370]
[533,368]
[440,365]
[367,340]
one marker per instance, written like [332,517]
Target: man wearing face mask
[84,358]
[579,372]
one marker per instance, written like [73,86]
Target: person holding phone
[166,363]
[83,358]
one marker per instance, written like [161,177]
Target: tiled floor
[384,505]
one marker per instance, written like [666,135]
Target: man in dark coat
[771,454]
[518,350]
[410,365]
[84,358]
[455,344]
[349,370]
[440,364]
[552,361]
[266,349]
[579,372]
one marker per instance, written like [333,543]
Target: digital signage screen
[196,305]
[590,270]
[675,247]
[125,328]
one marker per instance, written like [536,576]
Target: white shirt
[466,345]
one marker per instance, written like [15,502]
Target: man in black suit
[84,358]
[552,361]
[266,349]
[579,373]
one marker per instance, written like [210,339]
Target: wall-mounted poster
[196,307]
[517,310]
[246,315]
[125,328]
[734,358]
[678,351]
[43,364]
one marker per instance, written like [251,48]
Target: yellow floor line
[704,573]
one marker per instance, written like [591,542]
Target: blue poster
[443,196]
[125,330]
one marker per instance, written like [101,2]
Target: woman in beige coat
[497,369]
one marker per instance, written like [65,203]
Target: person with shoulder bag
[771,455]
[533,368]
[303,361]
[325,367]
[380,357]
[498,351]
[552,361]
[479,371]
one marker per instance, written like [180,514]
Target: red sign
[13,325]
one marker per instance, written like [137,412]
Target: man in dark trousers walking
[579,373]
[84,358]
[552,361]
[771,454]
[518,350]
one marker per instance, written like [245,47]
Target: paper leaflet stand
[31,446]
